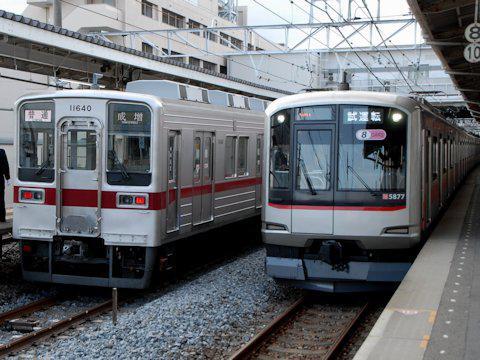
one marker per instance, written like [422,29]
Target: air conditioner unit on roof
[169,90]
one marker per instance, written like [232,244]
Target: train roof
[342,97]
[87,93]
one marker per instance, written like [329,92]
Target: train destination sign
[371,134]
[38,115]
[362,117]
[128,117]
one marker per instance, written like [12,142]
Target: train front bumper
[320,276]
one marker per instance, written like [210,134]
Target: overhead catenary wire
[323,44]
[152,32]
[378,30]
[350,45]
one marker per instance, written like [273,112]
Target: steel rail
[27,309]
[256,342]
[248,350]
[334,349]
[55,328]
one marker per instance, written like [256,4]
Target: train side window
[445,156]
[230,149]
[242,156]
[197,146]
[435,159]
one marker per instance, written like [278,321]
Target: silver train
[107,181]
[354,181]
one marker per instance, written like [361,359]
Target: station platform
[435,312]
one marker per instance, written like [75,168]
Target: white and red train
[107,181]
[353,183]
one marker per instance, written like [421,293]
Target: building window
[192,24]
[209,66]
[223,69]
[173,19]
[211,36]
[147,48]
[236,43]
[176,58]
[150,10]
[108,2]
[194,61]
[224,39]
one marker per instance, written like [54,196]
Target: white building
[89,16]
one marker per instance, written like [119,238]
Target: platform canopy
[37,47]
[443,23]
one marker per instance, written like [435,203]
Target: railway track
[305,330]
[19,318]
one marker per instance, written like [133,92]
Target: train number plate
[399,196]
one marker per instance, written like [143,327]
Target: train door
[173,193]
[203,184]
[258,171]
[312,210]
[79,190]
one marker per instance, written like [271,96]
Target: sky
[281,11]
[15,6]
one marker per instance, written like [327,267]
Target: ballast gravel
[207,317]
[14,291]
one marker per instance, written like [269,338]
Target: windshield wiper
[370,190]
[307,177]
[43,167]
[116,162]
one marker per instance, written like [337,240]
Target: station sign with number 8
[472,32]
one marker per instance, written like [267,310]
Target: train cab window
[242,157]
[81,150]
[280,151]
[313,160]
[372,149]
[129,134]
[36,142]
[315,113]
[230,155]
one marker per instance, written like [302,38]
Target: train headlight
[281,119]
[34,196]
[396,117]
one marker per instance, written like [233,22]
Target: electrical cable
[163,36]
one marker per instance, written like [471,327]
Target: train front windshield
[129,133]
[342,155]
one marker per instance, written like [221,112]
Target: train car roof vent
[218,97]
[169,90]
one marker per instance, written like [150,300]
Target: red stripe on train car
[338,208]
[157,201]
